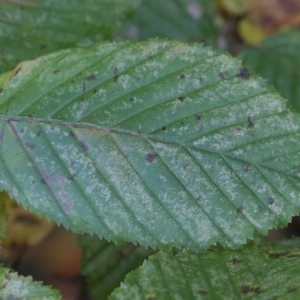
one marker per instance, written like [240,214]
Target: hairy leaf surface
[188,20]
[278,60]
[252,273]
[106,264]
[30,28]
[158,142]
[19,287]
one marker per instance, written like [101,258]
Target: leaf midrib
[138,135]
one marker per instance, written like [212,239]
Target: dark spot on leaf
[30,145]
[151,157]
[181,123]
[292,289]
[244,73]
[198,117]
[71,177]
[182,76]
[271,201]
[277,254]
[84,145]
[71,134]
[43,181]
[56,71]
[52,128]
[222,75]
[43,46]
[72,162]
[202,292]
[139,132]
[235,261]
[17,71]
[164,128]
[83,86]
[181,98]
[95,91]
[246,168]
[291,255]
[1,90]
[199,198]
[116,77]
[22,130]
[91,77]
[250,123]
[247,289]
[39,133]
[131,99]
[240,209]
[185,165]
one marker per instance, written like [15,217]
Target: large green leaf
[106,264]
[278,60]
[251,273]
[14,287]
[159,143]
[189,20]
[29,28]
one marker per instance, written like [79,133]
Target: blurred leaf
[188,20]
[106,264]
[268,17]
[14,287]
[269,272]
[30,28]
[234,7]
[158,143]
[278,60]
[3,215]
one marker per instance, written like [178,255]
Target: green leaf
[105,264]
[13,286]
[30,28]
[252,273]
[158,143]
[278,60]
[188,20]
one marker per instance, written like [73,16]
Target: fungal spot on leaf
[222,75]
[292,290]
[246,168]
[95,91]
[275,255]
[185,165]
[1,90]
[181,123]
[71,177]
[91,77]
[30,146]
[202,292]
[164,128]
[271,201]
[84,145]
[131,99]
[181,98]
[240,209]
[56,71]
[43,46]
[182,76]
[250,123]
[71,134]
[43,181]
[247,289]
[199,198]
[235,261]
[83,87]
[244,73]
[151,157]
[198,117]
[116,76]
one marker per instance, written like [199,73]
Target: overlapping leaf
[278,60]
[188,20]
[29,28]
[160,143]
[105,264]
[13,286]
[251,273]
